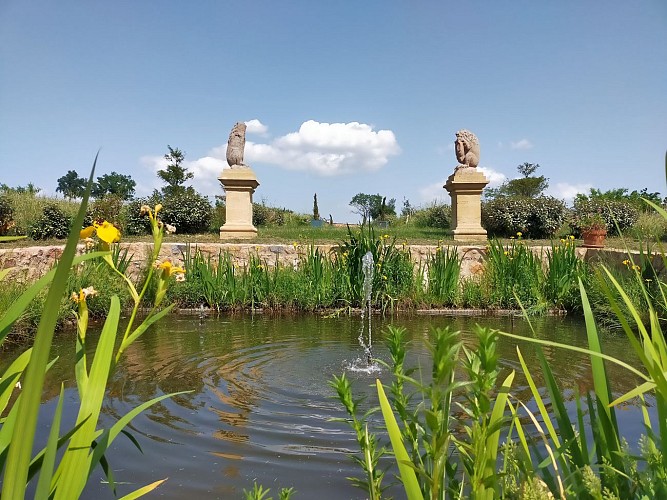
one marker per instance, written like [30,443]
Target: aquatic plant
[513,271]
[581,457]
[66,462]
[564,269]
[444,269]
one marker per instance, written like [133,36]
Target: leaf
[18,460]
[495,421]
[10,377]
[141,329]
[408,476]
[108,436]
[16,309]
[142,491]
[46,470]
[77,456]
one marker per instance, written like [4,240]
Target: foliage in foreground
[69,457]
[548,451]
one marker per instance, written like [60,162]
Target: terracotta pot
[594,238]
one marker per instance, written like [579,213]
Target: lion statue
[236,145]
[467,149]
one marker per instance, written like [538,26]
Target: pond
[261,405]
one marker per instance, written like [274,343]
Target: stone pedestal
[240,183]
[465,187]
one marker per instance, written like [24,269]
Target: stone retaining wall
[30,263]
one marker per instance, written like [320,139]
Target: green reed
[370,450]
[444,269]
[513,271]
[564,269]
[393,275]
[64,465]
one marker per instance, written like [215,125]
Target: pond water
[261,405]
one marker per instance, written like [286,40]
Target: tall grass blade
[46,471]
[597,364]
[15,310]
[10,377]
[495,423]
[408,476]
[77,456]
[109,435]
[18,460]
[142,491]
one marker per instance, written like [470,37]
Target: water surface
[261,405]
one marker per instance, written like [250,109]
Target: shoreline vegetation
[330,282]
[506,447]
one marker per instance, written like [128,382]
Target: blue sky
[341,97]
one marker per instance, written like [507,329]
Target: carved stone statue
[236,145]
[467,149]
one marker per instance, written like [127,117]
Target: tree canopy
[71,185]
[175,174]
[372,206]
[528,186]
[114,184]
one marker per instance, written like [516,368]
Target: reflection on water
[261,407]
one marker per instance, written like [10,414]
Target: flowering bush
[613,212]
[189,212]
[534,217]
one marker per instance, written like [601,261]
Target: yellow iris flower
[105,230]
[168,269]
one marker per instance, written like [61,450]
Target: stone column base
[239,183]
[465,187]
[229,232]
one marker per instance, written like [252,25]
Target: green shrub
[649,226]
[536,218]
[435,215]
[189,212]
[54,223]
[28,208]
[107,208]
[219,215]
[621,213]
[132,221]
[6,214]
[264,215]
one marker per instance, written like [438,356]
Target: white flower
[170,229]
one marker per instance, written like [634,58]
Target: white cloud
[256,127]
[522,144]
[434,192]
[206,171]
[326,149]
[495,178]
[566,191]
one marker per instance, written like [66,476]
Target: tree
[115,184]
[528,186]
[29,189]
[407,209]
[316,209]
[71,185]
[174,175]
[369,206]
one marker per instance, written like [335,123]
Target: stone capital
[238,176]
